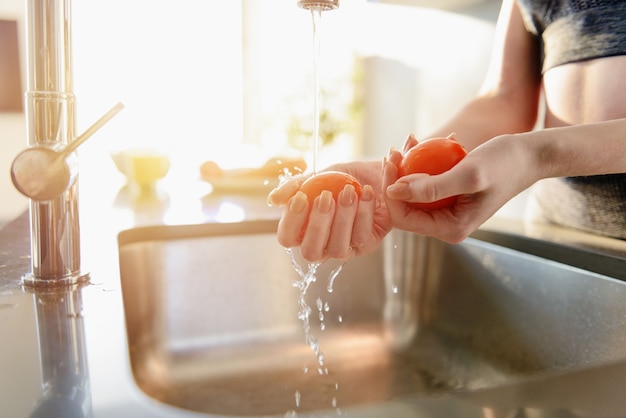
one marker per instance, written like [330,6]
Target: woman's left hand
[484,181]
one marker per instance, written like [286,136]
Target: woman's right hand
[329,229]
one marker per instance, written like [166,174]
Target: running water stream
[309,276]
[316,13]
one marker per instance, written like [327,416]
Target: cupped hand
[329,228]
[484,180]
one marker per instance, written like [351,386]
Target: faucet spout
[322,4]
[51,123]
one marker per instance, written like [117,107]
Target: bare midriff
[585,92]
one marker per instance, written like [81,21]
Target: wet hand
[329,227]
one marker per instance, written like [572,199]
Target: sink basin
[213,327]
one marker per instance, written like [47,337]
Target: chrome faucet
[322,4]
[51,125]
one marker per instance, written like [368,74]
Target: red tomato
[432,156]
[333,181]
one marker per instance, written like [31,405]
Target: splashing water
[303,283]
[304,310]
[333,276]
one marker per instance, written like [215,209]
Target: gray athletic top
[576,30]
[571,31]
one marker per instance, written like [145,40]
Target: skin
[585,121]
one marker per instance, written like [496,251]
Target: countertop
[82,349]
[67,350]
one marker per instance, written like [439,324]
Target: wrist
[544,154]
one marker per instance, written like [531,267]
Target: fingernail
[410,142]
[347,195]
[298,203]
[367,195]
[399,190]
[325,201]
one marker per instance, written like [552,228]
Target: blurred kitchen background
[232,81]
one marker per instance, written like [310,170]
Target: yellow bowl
[142,167]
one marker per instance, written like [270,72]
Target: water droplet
[333,277]
[394,289]
[297,396]
[340,318]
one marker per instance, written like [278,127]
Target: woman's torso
[591,88]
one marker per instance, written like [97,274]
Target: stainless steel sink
[212,320]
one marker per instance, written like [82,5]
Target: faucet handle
[42,173]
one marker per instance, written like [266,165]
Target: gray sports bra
[576,30]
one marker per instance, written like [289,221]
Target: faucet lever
[42,173]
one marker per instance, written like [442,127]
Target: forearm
[581,150]
[486,117]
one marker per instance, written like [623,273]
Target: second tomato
[432,156]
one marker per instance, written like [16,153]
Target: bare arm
[499,169]
[580,150]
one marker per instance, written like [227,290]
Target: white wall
[12,141]
[12,128]
[420,65]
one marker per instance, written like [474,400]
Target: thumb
[285,190]
[425,188]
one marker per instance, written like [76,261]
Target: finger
[363,228]
[401,214]
[395,207]
[394,157]
[280,195]
[390,168]
[293,221]
[409,143]
[339,242]
[315,239]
